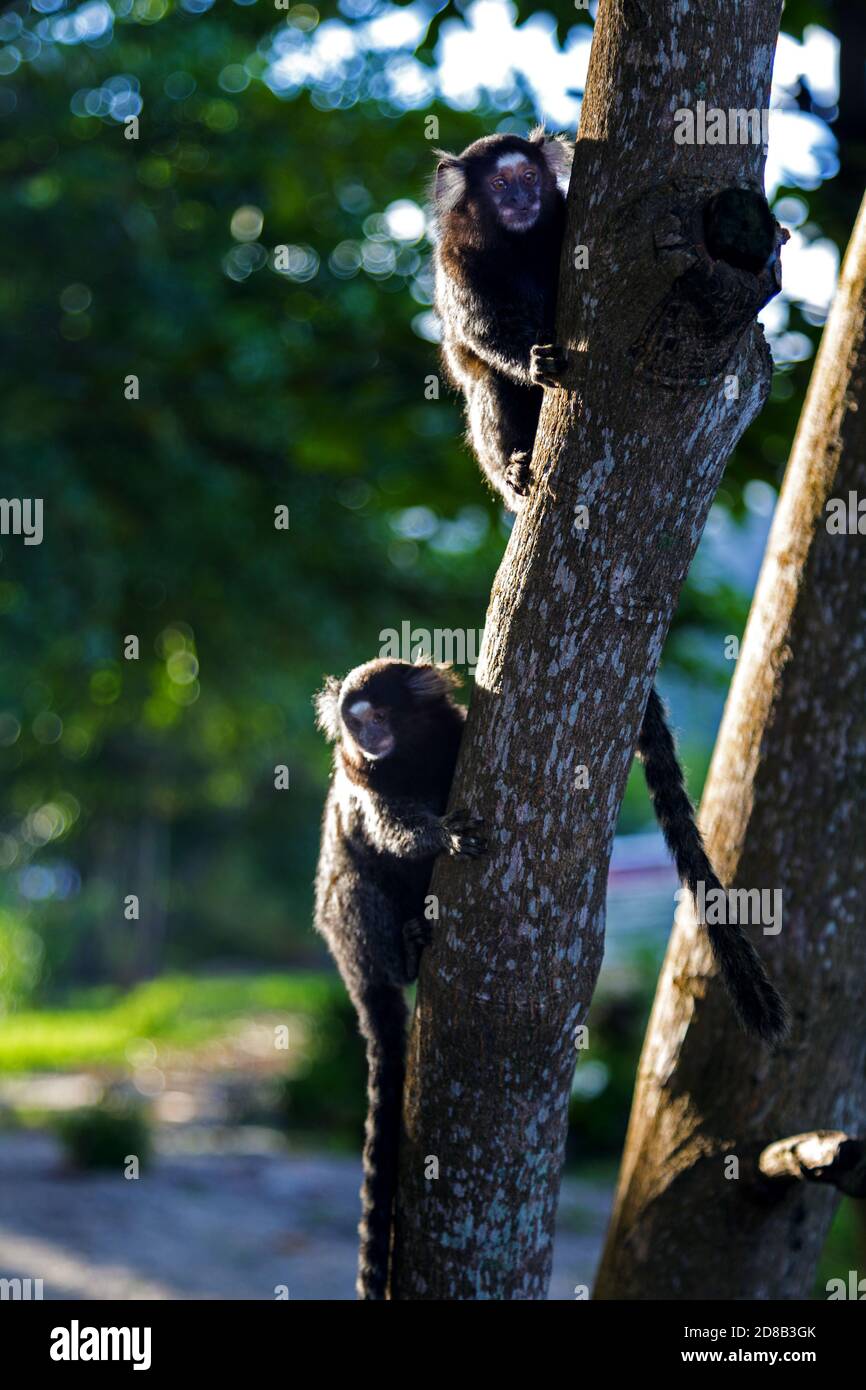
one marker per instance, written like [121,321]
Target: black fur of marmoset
[499,210]
[397,732]
[500,215]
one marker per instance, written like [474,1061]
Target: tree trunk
[668,369]
[783,808]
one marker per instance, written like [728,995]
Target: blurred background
[215,303]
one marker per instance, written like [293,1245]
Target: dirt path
[228,1215]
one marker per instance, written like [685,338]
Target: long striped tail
[758,1003]
[382,1013]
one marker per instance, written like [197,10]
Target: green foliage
[259,387]
[845,1249]
[100,1024]
[106,1135]
[20,955]
[160,511]
[329,1091]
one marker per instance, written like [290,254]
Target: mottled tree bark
[660,329]
[783,809]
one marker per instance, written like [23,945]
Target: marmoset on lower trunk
[397,732]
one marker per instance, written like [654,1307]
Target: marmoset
[500,219]
[397,732]
[499,210]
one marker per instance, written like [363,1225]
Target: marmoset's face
[368,726]
[385,707]
[515,190]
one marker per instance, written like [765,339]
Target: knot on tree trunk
[725,252]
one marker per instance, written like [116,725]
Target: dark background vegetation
[258,387]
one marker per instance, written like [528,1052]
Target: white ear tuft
[557,151]
[428,682]
[327,703]
[450,182]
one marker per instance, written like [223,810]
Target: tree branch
[825,1156]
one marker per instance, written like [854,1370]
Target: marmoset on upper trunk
[499,210]
[500,220]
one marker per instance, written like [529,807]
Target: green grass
[98,1025]
[845,1249]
